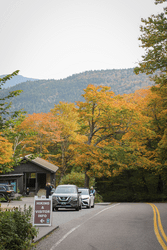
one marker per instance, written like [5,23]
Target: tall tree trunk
[86,184]
[145,185]
[160,185]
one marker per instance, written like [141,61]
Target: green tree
[5,114]
[76,178]
[7,123]
[154,63]
[154,41]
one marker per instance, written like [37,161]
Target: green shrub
[75,178]
[2,199]
[18,198]
[16,231]
[98,198]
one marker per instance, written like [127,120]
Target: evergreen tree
[154,41]
[5,115]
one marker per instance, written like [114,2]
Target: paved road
[58,218]
[120,226]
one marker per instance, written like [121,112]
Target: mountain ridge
[41,95]
[16,80]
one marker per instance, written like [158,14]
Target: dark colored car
[7,192]
[66,196]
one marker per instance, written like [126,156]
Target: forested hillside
[42,95]
[17,79]
[117,143]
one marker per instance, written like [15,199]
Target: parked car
[66,196]
[7,192]
[87,197]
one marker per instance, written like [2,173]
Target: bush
[2,199]
[75,178]
[16,231]
[98,198]
[18,198]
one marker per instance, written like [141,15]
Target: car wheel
[54,209]
[89,206]
[77,208]
[1,196]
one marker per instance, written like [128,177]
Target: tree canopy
[7,122]
[153,40]
[5,114]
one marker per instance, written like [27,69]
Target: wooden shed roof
[42,163]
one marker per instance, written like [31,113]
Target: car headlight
[84,199]
[55,197]
[74,199]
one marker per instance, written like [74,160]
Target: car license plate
[63,203]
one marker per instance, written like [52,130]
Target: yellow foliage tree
[6,153]
[67,118]
[142,137]
[103,118]
[42,131]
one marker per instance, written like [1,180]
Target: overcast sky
[53,39]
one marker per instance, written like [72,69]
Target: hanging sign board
[42,211]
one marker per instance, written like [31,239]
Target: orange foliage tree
[42,131]
[103,119]
[67,118]
[6,153]
[138,139]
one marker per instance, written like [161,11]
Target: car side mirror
[79,192]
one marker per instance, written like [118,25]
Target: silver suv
[66,196]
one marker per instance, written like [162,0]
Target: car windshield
[9,188]
[6,187]
[84,191]
[65,190]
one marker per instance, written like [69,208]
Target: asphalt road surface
[119,226]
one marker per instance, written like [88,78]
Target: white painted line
[73,229]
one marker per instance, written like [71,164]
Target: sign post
[42,211]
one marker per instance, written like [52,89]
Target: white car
[86,197]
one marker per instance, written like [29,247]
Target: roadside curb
[42,233]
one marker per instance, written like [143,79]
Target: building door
[41,180]
[30,181]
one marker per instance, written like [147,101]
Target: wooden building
[32,174]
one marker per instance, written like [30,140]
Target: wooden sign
[42,211]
